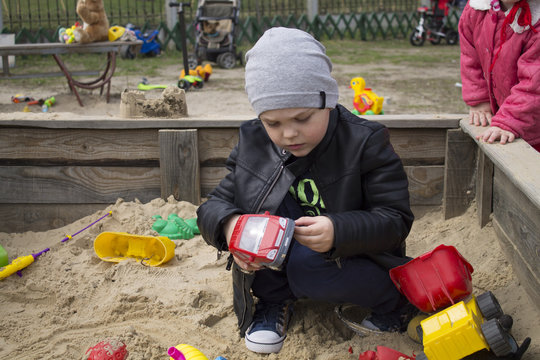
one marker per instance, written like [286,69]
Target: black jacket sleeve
[212,214]
[384,221]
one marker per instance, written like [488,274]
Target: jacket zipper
[269,189]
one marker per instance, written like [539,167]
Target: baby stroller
[433,24]
[215,27]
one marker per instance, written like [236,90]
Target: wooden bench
[56,49]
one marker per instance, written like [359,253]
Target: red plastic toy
[262,238]
[108,349]
[384,353]
[435,280]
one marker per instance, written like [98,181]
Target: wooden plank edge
[519,161]
[70,120]
[484,188]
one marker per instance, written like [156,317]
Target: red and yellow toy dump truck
[440,283]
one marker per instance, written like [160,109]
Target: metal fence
[33,15]
[40,20]
[261,8]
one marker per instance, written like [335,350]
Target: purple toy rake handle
[36,255]
[80,231]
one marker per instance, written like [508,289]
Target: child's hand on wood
[315,232]
[480,114]
[495,133]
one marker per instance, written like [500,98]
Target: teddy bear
[95,22]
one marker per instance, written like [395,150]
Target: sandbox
[64,174]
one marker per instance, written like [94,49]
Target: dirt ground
[414,86]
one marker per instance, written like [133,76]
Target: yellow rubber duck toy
[365,101]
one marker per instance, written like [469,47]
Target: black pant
[308,274]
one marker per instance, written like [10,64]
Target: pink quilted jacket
[513,86]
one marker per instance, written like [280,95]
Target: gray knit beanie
[288,68]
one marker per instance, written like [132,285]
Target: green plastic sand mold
[3,257]
[175,227]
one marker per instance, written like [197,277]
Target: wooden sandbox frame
[53,172]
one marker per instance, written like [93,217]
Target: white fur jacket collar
[534,5]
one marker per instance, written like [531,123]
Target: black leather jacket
[359,176]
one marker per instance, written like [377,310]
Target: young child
[309,159]
[500,68]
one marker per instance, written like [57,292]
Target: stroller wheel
[452,37]
[241,58]
[226,60]
[126,52]
[417,39]
[201,54]
[193,61]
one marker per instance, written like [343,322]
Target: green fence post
[362,24]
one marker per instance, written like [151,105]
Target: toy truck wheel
[421,356]
[198,84]
[489,305]
[183,84]
[226,60]
[500,342]
[506,322]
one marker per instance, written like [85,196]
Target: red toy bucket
[435,280]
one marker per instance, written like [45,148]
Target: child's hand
[246,267]
[495,133]
[480,114]
[228,230]
[315,232]
[229,227]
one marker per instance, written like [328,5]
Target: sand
[69,299]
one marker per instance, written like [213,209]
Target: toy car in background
[150,45]
[440,283]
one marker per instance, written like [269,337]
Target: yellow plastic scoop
[118,246]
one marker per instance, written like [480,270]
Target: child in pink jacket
[500,68]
